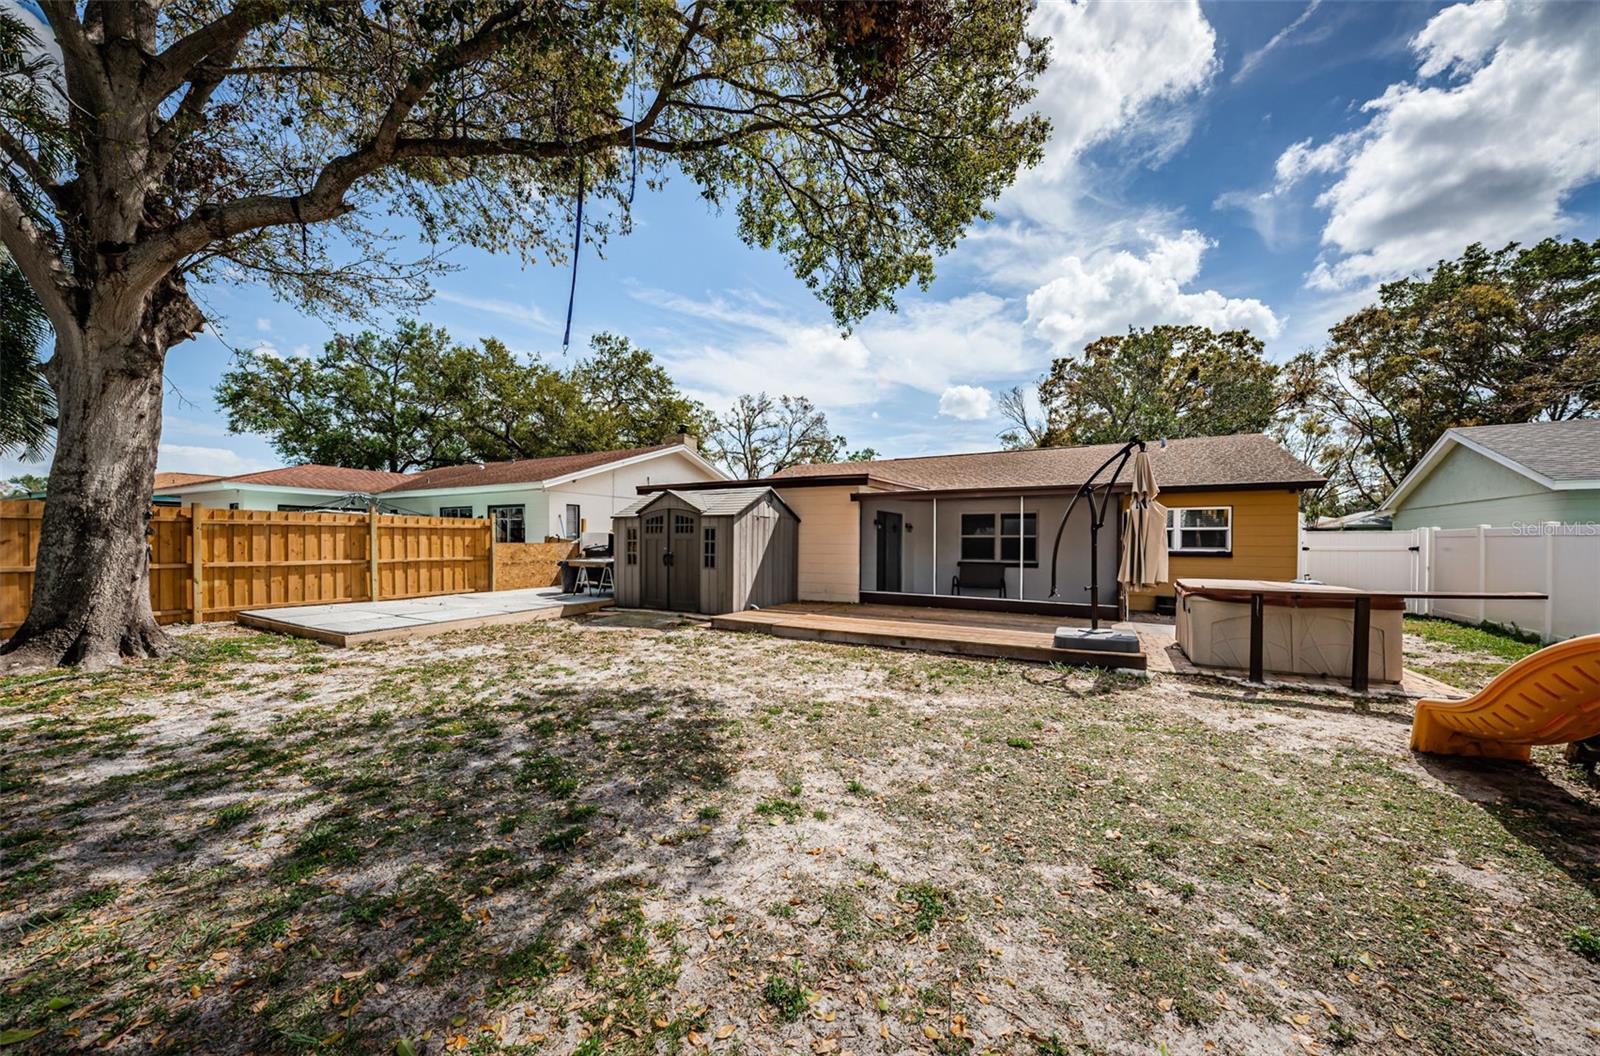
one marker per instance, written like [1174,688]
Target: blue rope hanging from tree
[633,179]
[577,244]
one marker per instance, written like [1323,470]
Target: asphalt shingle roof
[1203,461]
[713,502]
[1557,450]
[522,471]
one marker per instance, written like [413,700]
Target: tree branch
[40,264]
[79,62]
[184,57]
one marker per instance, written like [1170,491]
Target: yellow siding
[1266,539]
[829,542]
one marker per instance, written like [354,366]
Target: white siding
[600,495]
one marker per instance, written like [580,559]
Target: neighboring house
[905,530]
[1503,474]
[528,499]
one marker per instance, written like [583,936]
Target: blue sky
[1230,164]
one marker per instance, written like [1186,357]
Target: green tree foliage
[761,435]
[1167,381]
[414,399]
[1485,339]
[27,405]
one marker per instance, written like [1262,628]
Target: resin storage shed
[711,551]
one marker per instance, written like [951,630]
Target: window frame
[455,511]
[1176,528]
[708,547]
[496,521]
[997,536]
[1024,536]
[574,524]
[630,545]
[991,536]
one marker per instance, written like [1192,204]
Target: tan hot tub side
[1307,629]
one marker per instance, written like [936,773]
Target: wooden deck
[1001,635]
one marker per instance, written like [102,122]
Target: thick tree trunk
[91,595]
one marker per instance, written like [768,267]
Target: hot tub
[1307,628]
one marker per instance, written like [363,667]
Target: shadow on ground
[1535,810]
[340,878]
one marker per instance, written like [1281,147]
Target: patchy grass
[557,838]
[1462,655]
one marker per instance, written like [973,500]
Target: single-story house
[977,529]
[1503,474]
[529,499]
[714,550]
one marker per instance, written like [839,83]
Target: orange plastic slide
[1550,697]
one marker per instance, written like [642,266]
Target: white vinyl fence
[1561,560]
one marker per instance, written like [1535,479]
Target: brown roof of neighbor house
[174,480]
[1243,460]
[1567,450]
[322,478]
[522,471]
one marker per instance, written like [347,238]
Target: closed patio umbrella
[1144,531]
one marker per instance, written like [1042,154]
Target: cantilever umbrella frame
[1097,520]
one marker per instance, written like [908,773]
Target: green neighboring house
[1503,474]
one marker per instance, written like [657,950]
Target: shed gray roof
[1558,450]
[711,502]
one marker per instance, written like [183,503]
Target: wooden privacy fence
[209,564]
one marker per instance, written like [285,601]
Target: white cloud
[222,461]
[1118,72]
[1109,292]
[527,314]
[1284,36]
[1500,126]
[752,345]
[970,403]
[264,325]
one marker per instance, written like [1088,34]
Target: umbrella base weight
[1101,640]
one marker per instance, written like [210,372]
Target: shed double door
[669,575]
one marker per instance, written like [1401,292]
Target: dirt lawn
[589,836]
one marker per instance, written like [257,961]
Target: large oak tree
[275,140]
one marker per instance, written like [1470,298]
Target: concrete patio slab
[355,622]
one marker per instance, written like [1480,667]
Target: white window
[631,545]
[1200,530]
[574,521]
[455,511]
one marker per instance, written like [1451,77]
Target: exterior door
[683,566]
[653,561]
[669,572]
[889,547]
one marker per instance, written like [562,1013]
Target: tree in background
[760,435]
[276,140]
[415,400]
[1027,428]
[1485,339]
[629,400]
[1167,381]
[27,405]
[367,401]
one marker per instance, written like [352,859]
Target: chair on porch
[979,575]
